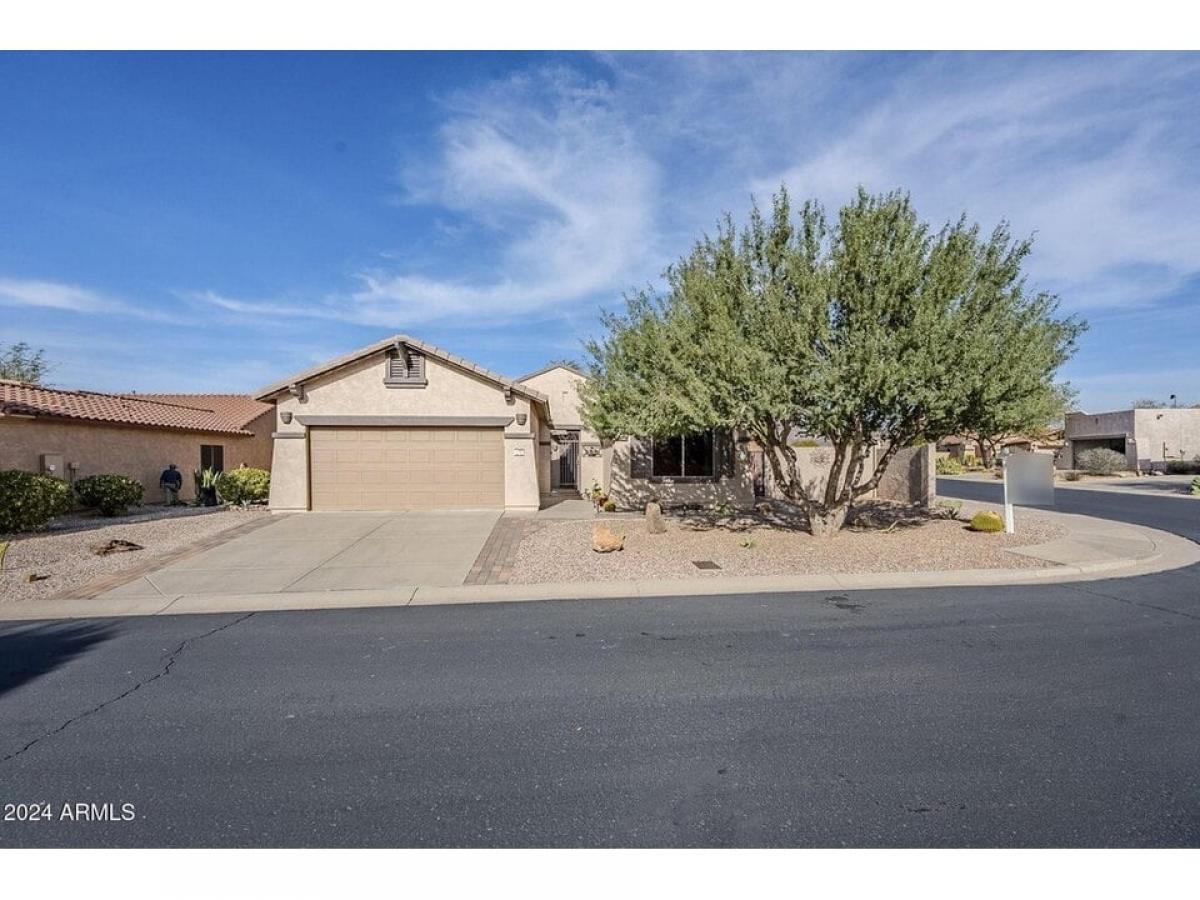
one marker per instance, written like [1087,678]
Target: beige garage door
[407,468]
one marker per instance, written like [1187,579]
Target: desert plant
[1073,475]
[1101,461]
[806,443]
[987,521]
[28,501]
[3,551]
[610,506]
[748,543]
[1196,487]
[952,507]
[720,509]
[1184,466]
[112,495]
[948,465]
[243,486]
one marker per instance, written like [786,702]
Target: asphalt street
[1036,716]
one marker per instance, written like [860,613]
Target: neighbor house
[401,424]
[1148,438]
[72,434]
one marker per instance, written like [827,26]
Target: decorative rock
[654,518]
[605,540]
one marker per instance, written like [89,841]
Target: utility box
[52,464]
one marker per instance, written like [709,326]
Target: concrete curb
[1094,549]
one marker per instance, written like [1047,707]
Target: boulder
[605,540]
[654,519]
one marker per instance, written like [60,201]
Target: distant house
[1149,438]
[960,446]
[72,434]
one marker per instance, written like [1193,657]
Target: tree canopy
[19,362]
[874,330]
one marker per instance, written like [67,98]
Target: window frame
[219,452]
[713,473]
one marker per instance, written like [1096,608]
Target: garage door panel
[406,468]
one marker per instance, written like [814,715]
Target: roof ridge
[84,392]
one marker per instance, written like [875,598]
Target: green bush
[244,486]
[112,495]
[610,506]
[1196,487]
[806,443]
[1183,466]
[1073,475]
[987,521]
[948,465]
[28,501]
[1101,461]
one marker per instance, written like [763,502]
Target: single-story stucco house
[72,434]
[1148,438]
[401,424]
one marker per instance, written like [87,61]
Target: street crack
[172,658]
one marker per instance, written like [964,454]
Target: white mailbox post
[1028,481]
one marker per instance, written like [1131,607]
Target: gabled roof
[221,414]
[382,346]
[550,368]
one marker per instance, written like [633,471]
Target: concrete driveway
[329,551]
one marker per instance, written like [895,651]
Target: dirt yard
[64,552]
[895,539]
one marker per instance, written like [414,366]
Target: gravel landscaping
[900,540]
[64,551]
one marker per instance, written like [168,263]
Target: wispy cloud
[1093,153]
[562,195]
[53,295]
[39,294]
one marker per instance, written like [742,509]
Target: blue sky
[214,221]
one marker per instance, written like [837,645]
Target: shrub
[1196,486]
[948,465]
[1183,466]
[1073,475]
[112,495]
[806,443]
[28,501]
[610,506]
[243,486]
[1101,461]
[951,507]
[987,521]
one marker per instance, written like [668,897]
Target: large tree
[19,362]
[1010,403]
[873,331]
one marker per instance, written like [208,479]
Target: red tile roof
[220,413]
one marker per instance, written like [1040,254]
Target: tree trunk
[825,522]
[987,453]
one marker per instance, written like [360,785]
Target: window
[405,368]
[212,456]
[689,456]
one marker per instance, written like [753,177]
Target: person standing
[170,481]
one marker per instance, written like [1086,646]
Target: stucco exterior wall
[634,493]
[562,385]
[911,476]
[1165,434]
[1152,436]
[140,453]
[359,390]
